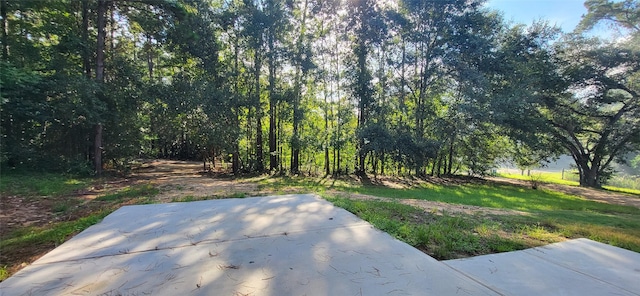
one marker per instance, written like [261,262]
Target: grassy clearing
[56,233]
[27,242]
[618,184]
[443,237]
[483,195]
[623,190]
[142,194]
[546,177]
[189,198]
[41,184]
[48,191]
[549,216]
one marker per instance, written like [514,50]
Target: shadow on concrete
[282,245]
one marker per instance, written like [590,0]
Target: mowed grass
[570,179]
[40,184]
[547,216]
[546,177]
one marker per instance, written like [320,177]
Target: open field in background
[445,218]
[543,216]
[625,184]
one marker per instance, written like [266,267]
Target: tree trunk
[450,163]
[363,98]
[300,74]
[259,151]
[235,166]
[86,53]
[589,175]
[295,139]
[235,155]
[5,30]
[97,149]
[97,143]
[150,57]
[102,11]
[273,158]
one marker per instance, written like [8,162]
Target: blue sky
[564,13]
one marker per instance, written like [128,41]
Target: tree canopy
[304,86]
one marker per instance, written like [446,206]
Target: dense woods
[316,87]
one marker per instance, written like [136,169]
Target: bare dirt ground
[177,179]
[180,180]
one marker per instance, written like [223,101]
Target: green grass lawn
[546,177]
[548,216]
[40,184]
[568,179]
[20,244]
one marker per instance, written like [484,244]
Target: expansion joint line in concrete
[493,289]
[205,241]
[531,252]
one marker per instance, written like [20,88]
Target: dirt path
[179,179]
[587,193]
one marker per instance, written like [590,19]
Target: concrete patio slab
[576,267]
[281,245]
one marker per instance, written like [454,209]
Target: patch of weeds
[142,192]
[540,233]
[60,207]
[187,198]
[4,273]
[497,244]
[64,206]
[445,236]
[238,195]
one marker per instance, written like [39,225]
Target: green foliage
[409,87]
[624,13]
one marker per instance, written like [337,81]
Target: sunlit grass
[548,217]
[545,177]
[441,236]
[570,179]
[55,233]
[40,184]
[623,190]
[4,273]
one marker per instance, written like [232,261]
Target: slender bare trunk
[86,53]
[273,157]
[259,150]
[97,143]
[5,30]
